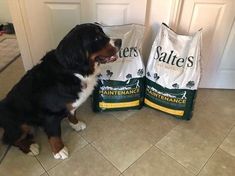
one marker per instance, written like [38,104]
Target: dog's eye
[99,38]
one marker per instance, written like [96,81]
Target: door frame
[17,14]
[176,7]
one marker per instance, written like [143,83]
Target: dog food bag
[173,73]
[121,83]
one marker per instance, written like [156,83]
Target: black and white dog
[55,88]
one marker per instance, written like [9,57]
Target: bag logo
[128,52]
[172,59]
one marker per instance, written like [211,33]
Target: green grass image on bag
[177,102]
[118,95]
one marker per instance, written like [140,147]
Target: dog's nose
[118,43]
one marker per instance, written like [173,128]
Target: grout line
[175,160]
[166,134]
[9,64]
[106,159]
[80,134]
[93,146]
[121,172]
[227,152]
[215,150]
[61,161]
[45,173]
[41,165]
[138,158]
[116,117]
[146,131]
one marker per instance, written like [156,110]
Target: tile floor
[136,143]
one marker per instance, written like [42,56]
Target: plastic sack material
[173,73]
[121,83]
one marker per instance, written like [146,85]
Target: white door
[43,23]
[225,75]
[48,21]
[216,17]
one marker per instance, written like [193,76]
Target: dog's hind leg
[20,137]
[28,140]
[28,146]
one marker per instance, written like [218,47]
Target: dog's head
[84,45]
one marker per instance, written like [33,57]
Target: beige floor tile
[71,139]
[187,148]
[45,174]
[10,76]
[155,162]
[85,112]
[3,147]
[193,142]
[123,115]
[85,162]
[221,164]
[220,102]
[122,147]
[229,143]
[17,163]
[222,96]
[98,125]
[101,123]
[152,122]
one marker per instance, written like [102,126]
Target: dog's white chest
[88,83]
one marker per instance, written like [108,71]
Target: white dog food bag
[121,83]
[173,73]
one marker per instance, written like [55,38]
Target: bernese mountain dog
[55,88]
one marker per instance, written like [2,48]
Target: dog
[55,88]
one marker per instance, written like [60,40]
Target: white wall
[4,12]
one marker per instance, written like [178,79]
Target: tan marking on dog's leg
[79,126]
[28,146]
[76,124]
[73,119]
[25,144]
[56,144]
[58,149]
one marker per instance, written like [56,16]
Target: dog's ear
[97,23]
[71,52]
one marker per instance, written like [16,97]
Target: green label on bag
[177,102]
[118,95]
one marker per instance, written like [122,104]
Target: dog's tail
[1,113]
[11,128]
[3,154]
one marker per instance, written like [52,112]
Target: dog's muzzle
[116,44]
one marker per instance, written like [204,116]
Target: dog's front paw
[62,154]
[34,149]
[79,126]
